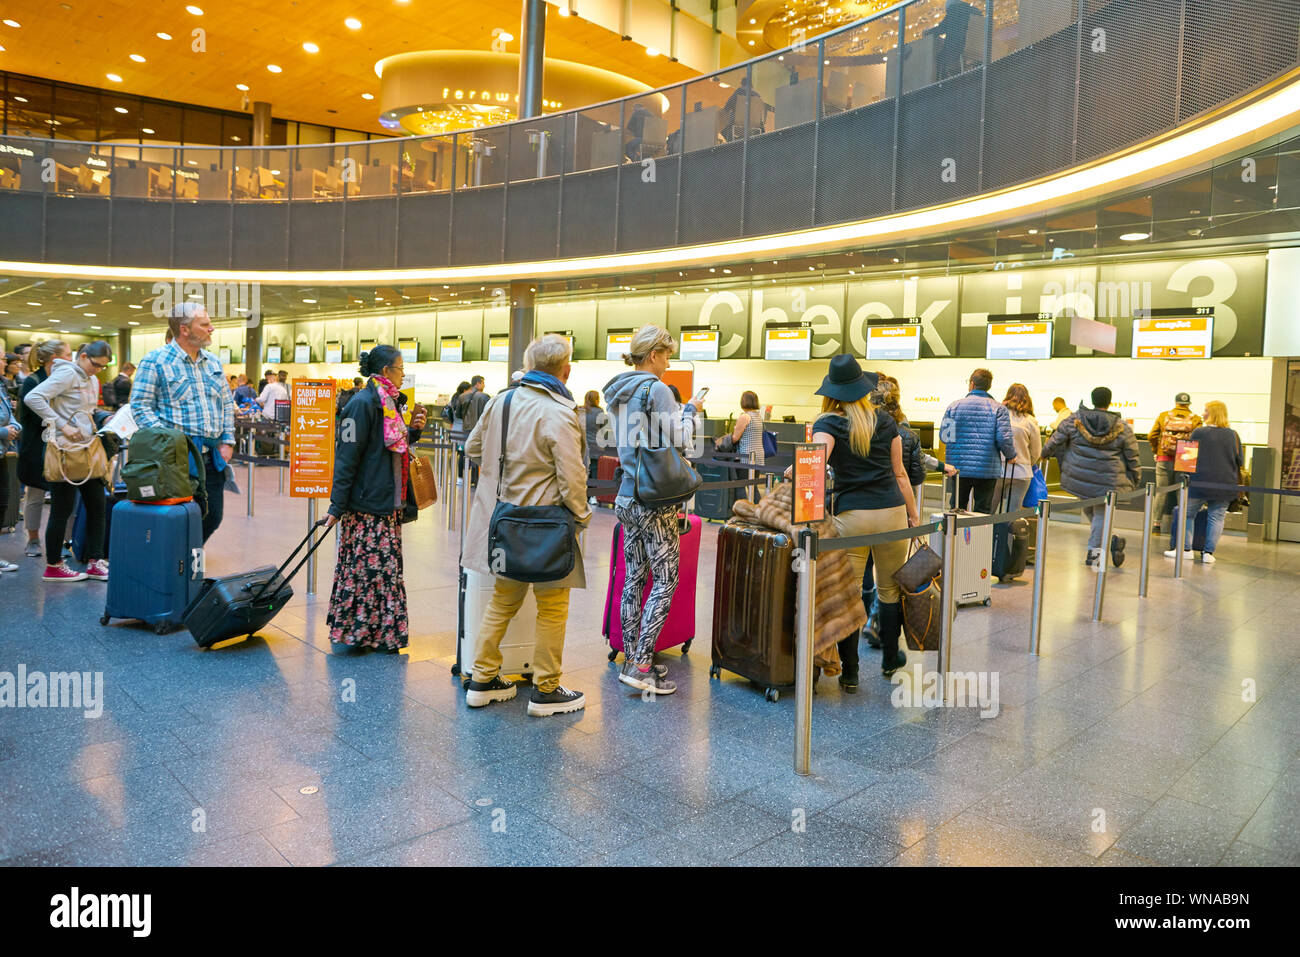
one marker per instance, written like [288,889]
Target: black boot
[849,664]
[891,626]
[871,630]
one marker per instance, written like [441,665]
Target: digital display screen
[223,355]
[699,346]
[453,349]
[565,334]
[272,354]
[894,342]
[617,343]
[302,353]
[789,344]
[1173,337]
[498,348]
[410,349]
[333,352]
[1019,340]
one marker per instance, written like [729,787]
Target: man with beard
[182,386]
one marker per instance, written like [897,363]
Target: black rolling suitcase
[1010,541]
[715,504]
[241,604]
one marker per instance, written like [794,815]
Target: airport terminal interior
[1065,193]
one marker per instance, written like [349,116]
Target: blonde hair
[646,340]
[47,350]
[862,421]
[1216,413]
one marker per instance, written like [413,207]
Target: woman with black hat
[872,494]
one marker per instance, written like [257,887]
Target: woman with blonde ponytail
[872,494]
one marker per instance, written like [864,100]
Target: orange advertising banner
[311,439]
[808,503]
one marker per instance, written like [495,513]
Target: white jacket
[67,397]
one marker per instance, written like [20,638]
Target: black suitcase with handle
[241,604]
[1010,540]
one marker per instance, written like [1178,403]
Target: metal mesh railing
[920,104]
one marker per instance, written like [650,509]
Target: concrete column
[523,322]
[532,55]
[253,352]
[123,350]
[261,123]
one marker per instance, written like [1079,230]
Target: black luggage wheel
[104,619]
[455,671]
[686,645]
[161,628]
[715,672]
[613,655]
[771,694]
[987,602]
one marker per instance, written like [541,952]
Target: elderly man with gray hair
[545,464]
[182,386]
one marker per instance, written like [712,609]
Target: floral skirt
[368,602]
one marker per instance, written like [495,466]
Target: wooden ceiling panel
[80,41]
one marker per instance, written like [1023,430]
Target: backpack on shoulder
[1178,427]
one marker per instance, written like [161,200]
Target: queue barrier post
[311,556]
[806,569]
[1148,510]
[1040,576]
[251,486]
[947,603]
[1103,560]
[453,497]
[464,515]
[1180,538]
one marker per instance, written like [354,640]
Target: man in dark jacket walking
[977,439]
[1098,452]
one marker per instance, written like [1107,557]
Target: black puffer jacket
[31,444]
[1098,452]
[913,457]
[364,476]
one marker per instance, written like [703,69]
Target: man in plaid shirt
[182,386]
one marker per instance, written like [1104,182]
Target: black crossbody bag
[528,543]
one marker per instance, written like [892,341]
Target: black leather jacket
[364,479]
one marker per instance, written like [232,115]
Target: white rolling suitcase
[516,646]
[973,563]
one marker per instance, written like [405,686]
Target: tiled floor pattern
[1167,734]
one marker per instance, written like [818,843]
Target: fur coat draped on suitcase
[838,610]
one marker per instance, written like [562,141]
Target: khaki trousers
[552,617]
[889,557]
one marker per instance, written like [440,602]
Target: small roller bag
[607,471]
[1010,540]
[753,606]
[241,604]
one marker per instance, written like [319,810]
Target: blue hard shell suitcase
[155,563]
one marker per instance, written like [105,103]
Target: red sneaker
[62,573]
[98,570]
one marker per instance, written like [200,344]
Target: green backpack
[157,468]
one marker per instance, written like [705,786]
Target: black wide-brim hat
[846,382]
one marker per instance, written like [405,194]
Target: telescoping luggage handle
[280,571]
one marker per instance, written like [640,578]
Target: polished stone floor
[1167,734]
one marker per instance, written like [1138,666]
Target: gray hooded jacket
[669,423]
[67,397]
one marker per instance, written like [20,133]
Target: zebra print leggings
[651,546]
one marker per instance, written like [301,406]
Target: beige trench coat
[546,464]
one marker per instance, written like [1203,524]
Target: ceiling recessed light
[242,86]
[132,322]
[1134,237]
[310,302]
[20,99]
[367,96]
[120,109]
[564,11]
[352,23]
[234,139]
[75,292]
[137,58]
[311,47]
[54,320]
[147,130]
[197,11]
[651,51]
[97,327]
[1033,232]
[13,23]
[273,68]
[163,36]
[114,77]
[91,315]
[33,304]
[134,306]
[25,325]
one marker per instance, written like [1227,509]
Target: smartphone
[703,393]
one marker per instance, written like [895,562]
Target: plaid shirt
[173,391]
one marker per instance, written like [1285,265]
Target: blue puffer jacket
[976,434]
[1098,452]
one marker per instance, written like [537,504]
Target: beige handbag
[424,488]
[75,463]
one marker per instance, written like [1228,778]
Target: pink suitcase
[679,629]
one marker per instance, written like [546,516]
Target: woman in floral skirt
[370,500]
